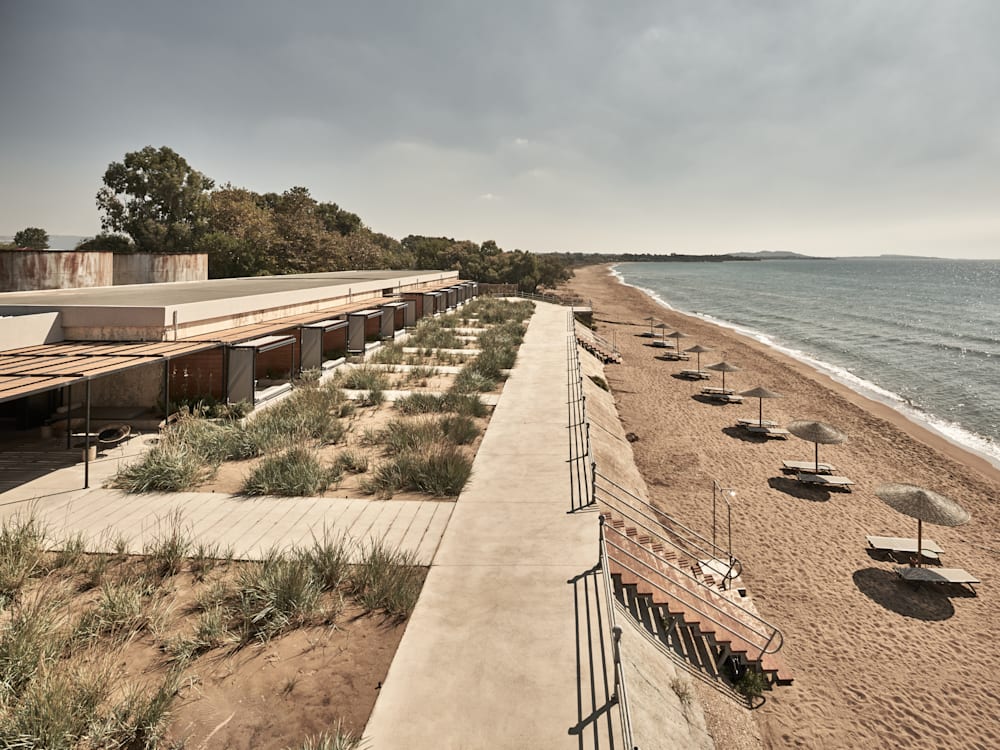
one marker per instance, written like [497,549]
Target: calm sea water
[920,335]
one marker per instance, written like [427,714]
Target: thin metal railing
[620,695]
[713,600]
[653,525]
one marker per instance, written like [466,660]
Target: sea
[921,335]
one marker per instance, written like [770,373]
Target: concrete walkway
[507,647]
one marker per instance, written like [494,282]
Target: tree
[114,243]
[156,198]
[32,237]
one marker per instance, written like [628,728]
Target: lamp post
[726,494]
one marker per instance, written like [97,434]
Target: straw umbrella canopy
[723,367]
[760,392]
[816,432]
[698,349]
[924,505]
[650,320]
[663,332]
[677,336]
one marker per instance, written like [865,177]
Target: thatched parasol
[663,332]
[760,392]
[649,320]
[677,336]
[723,367]
[698,349]
[816,432]
[924,505]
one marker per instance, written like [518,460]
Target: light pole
[726,494]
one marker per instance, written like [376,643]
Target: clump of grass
[420,403]
[166,552]
[387,579]
[119,613]
[467,404]
[460,430]
[389,354]
[71,553]
[401,435]
[599,382]
[295,472]
[337,739]
[170,466]
[279,593]
[329,560]
[441,471]
[420,374]
[490,310]
[21,555]
[352,461]
[34,634]
[432,334]
[471,380]
[365,379]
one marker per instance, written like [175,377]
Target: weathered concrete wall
[30,330]
[28,270]
[140,386]
[149,268]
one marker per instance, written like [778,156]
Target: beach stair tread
[682,594]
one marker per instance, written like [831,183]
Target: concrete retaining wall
[29,270]
[148,268]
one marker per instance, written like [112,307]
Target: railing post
[616,655]
[600,541]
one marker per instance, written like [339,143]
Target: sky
[707,126]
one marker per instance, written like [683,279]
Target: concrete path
[507,646]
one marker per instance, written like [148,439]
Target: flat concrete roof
[148,312]
[187,292]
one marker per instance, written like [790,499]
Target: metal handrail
[771,633]
[735,564]
[620,694]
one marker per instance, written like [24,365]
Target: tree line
[154,201]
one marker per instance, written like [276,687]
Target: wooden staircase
[677,583]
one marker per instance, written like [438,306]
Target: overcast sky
[830,128]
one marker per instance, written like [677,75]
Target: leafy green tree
[32,237]
[156,198]
[240,234]
[114,243]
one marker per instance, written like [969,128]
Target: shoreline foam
[954,433]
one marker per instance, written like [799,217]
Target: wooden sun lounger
[929,548]
[771,432]
[938,575]
[825,480]
[695,374]
[756,423]
[727,398]
[713,391]
[675,357]
[807,467]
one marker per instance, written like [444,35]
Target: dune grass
[296,472]
[441,471]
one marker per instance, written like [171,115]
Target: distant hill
[776,255]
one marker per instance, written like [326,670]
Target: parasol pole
[760,412]
[920,540]
[817,456]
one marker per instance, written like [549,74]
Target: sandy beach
[877,662]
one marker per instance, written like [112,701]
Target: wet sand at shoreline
[875,660]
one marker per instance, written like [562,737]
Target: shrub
[352,461]
[365,379]
[469,405]
[419,403]
[470,380]
[389,354]
[329,558]
[438,470]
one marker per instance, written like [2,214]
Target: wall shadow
[595,720]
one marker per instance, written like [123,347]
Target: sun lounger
[807,467]
[894,544]
[712,391]
[756,423]
[825,480]
[695,374]
[726,398]
[769,432]
[938,575]
[664,344]
[675,357]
